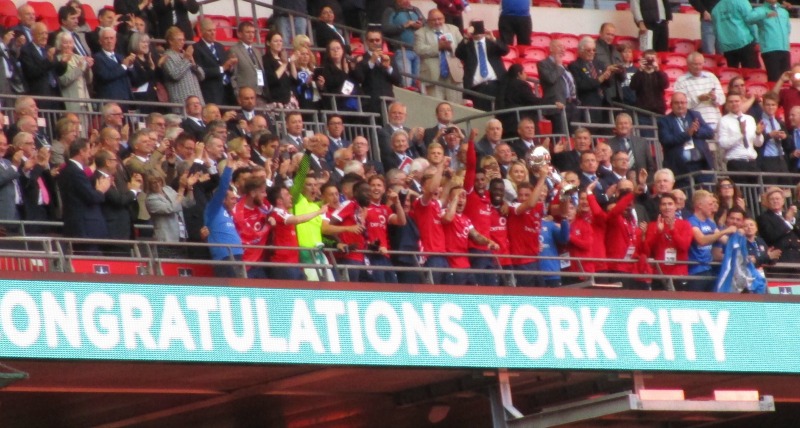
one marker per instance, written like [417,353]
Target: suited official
[10,193]
[776,230]
[82,214]
[41,68]
[777,142]
[11,79]
[683,134]
[112,71]
[558,86]
[170,13]
[325,30]
[632,144]
[591,77]
[217,65]
[193,123]
[482,56]
[375,72]
[397,118]
[120,199]
[249,69]
[435,44]
[68,17]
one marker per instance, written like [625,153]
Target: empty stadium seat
[8,12]
[532,53]
[541,40]
[713,61]
[46,13]
[685,8]
[546,3]
[531,69]
[674,72]
[91,17]
[622,6]
[570,55]
[570,41]
[726,74]
[794,50]
[673,59]
[683,46]
[757,88]
[513,52]
[225,31]
[756,76]
[631,41]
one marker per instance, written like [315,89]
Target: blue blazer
[111,81]
[81,202]
[672,139]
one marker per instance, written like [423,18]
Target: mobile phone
[317,72]
[478,27]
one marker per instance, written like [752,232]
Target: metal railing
[58,254]
[751,192]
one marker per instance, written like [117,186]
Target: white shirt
[477,79]
[695,86]
[730,138]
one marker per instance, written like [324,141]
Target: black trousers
[511,26]
[776,62]
[488,88]
[774,164]
[743,166]
[660,35]
[743,57]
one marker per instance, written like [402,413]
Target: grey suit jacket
[426,45]
[554,88]
[182,78]
[244,73]
[167,213]
[642,155]
[8,178]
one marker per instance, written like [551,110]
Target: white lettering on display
[99,323]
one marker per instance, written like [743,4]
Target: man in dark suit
[588,174]
[777,143]
[591,77]
[68,17]
[401,155]
[171,13]
[10,193]
[526,131]
[324,29]
[111,70]
[776,230]
[120,199]
[483,66]
[81,201]
[360,152]
[106,19]
[217,65]
[491,138]
[375,72]
[11,79]
[396,121]
[318,144]
[637,148]
[558,87]
[444,120]
[247,101]
[41,68]
[24,30]
[193,123]
[683,134]
[335,132]
[569,160]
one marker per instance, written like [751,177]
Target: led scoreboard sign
[108,321]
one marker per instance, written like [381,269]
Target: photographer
[649,83]
[375,73]
[483,64]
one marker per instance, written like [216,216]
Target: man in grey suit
[558,86]
[294,130]
[10,195]
[638,149]
[435,44]
[249,70]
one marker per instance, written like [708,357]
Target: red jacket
[657,243]
[581,240]
[621,236]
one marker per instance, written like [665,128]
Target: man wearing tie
[401,156]
[24,30]
[249,69]
[772,154]
[41,68]
[193,124]
[739,135]
[325,30]
[558,86]
[483,65]
[336,136]
[637,148]
[683,134]
[68,16]
[11,80]
[592,77]
[588,175]
[294,130]
[217,65]
[435,44]
[111,70]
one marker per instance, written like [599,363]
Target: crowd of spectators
[228,177]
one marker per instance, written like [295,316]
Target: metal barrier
[57,254]
[751,191]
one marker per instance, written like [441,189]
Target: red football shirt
[377,223]
[523,232]
[429,222]
[284,235]
[253,228]
[349,214]
[456,234]
[498,232]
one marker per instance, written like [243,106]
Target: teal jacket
[773,32]
[729,24]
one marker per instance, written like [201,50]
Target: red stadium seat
[512,53]
[225,31]
[531,53]
[540,40]
[8,13]
[757,88]
[531,68]
[712,61]
[506,63]
[726,74]
[547,3]
[685,8]
[794,50]
[674,72]
[673,60]
[622,6]
[756,76]
[44,9]
[570,41]
[683,46]
[90,16]
[631,41]
[570,55]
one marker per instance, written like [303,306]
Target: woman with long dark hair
[515,92]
